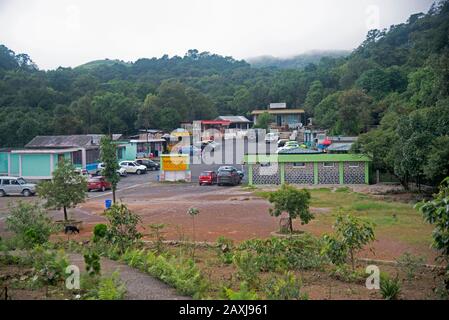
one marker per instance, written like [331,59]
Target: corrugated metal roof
[280,111]
[84,140]
[233,118]
[299,151]
[340,147]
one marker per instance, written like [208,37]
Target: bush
[100,232]
[286,287]
[243,294]
[180,273]
[111,288]
[247,269]
[30,223]
[123,224]
[389,288]
[92,262]
[49,264]
[344,273]
[410,264]
[275,254]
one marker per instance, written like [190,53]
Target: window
[299,164]
[6,182]
[14,182]
[265,164]
[77,157]
[353,165]
[328,164]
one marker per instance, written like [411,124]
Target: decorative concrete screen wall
[307,169]
[328,173]
[299,173]
[354,172]
[266,173]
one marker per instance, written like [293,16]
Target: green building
[310,168]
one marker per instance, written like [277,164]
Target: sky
[72,32]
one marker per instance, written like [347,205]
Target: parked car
[271,137]
[289,145]
[133,167]
[208,177]
[16,186]
[228,175]
[282,142]
[190,150]
[121,171]
[98,183]
[150,164]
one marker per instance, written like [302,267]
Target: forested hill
[397,81]
[297,62]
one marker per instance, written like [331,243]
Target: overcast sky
[71,32]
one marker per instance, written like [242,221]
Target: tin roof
[299,151]
[234,119]
[279,111]
[68,141]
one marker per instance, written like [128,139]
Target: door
[12,186]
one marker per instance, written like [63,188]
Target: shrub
[49,264]
[275,254]
[111,288]
[158,236]
[410,264]
[243,294]
[335,250]
[344,273]
[247,269]
[100,232]
[122,230]
[286,287]
[92,262]
[389,288]
[30,223]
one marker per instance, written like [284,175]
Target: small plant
[286,287]
[351,235]
[30,223]
[410,264]
[92,262]
[389,288]
[158,236]
[111,288]
[243,294]
[122,230]
[100,232]
[247,269]
[193,212]
[224,249]
[344,273]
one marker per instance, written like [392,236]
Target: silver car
[16,186]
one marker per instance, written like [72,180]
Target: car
[207,177]
[190,150]
[228,175]
[271,137]
[16,186]
[121,171]
[150,164]
[282,142]
[98,183]
[133,167]
[289,145]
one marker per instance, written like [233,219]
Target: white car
[121,171]
[133,167]
[271,137]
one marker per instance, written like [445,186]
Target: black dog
[71,229]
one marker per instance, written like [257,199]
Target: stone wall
[327,174]
[354,173]
[266,174]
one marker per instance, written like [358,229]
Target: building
[236,122]
[307,168]
[41,155]
[175,167]
[282,118]
[144,144]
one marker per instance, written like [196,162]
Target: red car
[208,177]
[98,183]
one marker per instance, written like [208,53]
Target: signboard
[175,163]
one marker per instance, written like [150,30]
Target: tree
[314,97]
[294,202]
[263,121]
[108,155]
[65,190]
[351,235]
[436,212]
